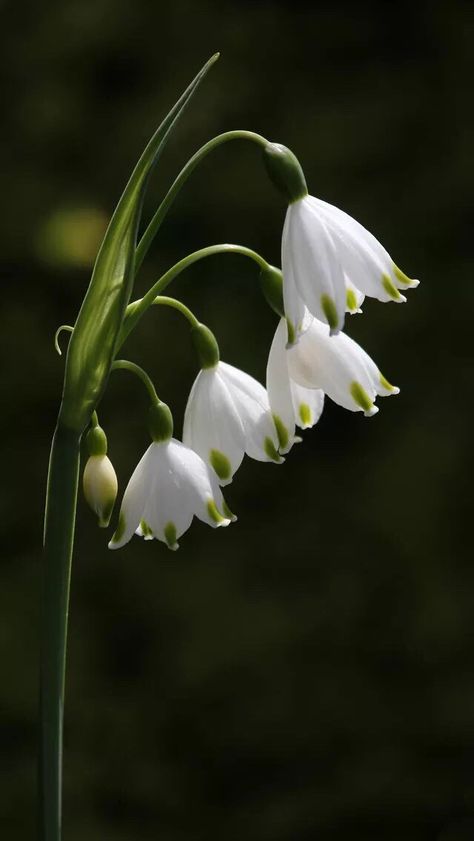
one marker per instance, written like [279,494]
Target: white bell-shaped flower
[338,366]
[292,404]
[330,262]
[228,414]
[170,485]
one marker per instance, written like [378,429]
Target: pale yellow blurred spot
[70,237]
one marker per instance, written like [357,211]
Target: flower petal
[202,491]
[311,255]
[354,297]
[365,260]
[251,402]
[308,404]
[293,304]
[279,389]
[212,426]
[168,511]
[338,366]
[134,498]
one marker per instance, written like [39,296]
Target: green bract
[93,342]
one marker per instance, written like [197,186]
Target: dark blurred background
[307,673]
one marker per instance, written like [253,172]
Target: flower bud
[285,171]
[100,481]
[100,487]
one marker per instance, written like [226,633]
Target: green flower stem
[60,515]
[163,300]
[136,309]
[183,176]
[126,365]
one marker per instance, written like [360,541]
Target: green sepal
[271,281]
[206,346]
[285,171]
[96,441]
[160,423]
[93,342]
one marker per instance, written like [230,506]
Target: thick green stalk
[60,518]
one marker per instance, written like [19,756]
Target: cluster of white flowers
[330,262]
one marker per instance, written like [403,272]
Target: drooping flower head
[292,404]
[227,415]
[337,365]
[170,485]
[329,261]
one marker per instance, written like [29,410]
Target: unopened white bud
[100,487]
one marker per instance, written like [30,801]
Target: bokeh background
[307,673]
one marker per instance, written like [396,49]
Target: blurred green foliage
[307,673]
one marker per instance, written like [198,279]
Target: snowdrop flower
[338,366]
[228,414]
[100,480]
[292,404]
[170,485]
[329,261]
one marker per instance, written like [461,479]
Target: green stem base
[60,518]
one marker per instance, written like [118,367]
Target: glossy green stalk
[58,543]
[136,309]
[126,365]
[164,301]
[153,227]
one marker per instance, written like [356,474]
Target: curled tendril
[68,329]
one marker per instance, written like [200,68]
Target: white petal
[251,401]
[212,426]
[201,490]
[134,498]
[365,260]
[167,512]
[354,297]
[379,383]
[279,390]
[308,404]
[292,302]
[335,364]
[315,263]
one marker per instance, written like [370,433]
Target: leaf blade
[93,342]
